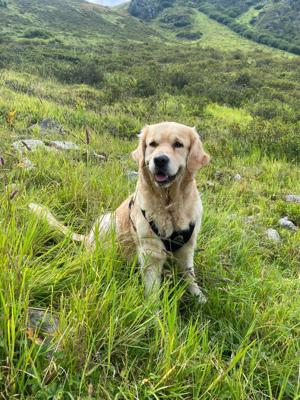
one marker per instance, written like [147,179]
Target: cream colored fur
[172,206]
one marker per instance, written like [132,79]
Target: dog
[163,216]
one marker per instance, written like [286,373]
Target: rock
[286,223]
[273,235]
[48,125]
[26,164]
[100,157]
[132,175]
[210,184]
[292,198]
[28,145]
[251,219]
[41,328]
[43,321]
[218,174]
[63,145]
[237,177]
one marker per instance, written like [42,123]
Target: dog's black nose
[161,161]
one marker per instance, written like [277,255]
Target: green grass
[243,98]
[228,115]
[243,344]
[221,37]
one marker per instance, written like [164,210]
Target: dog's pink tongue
[161,177]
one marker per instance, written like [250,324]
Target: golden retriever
[163,216]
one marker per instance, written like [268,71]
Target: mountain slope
[75,324]
[275,23]
[67,19]
[109,3]
[63,36]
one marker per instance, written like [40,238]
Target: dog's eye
[153,144]
[177,145]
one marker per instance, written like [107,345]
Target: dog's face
[167,150]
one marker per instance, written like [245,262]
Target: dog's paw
[201,299]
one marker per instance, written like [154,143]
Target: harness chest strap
[172,243]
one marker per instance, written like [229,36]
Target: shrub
[244,79]
[88,72]
[145,88]
[279,139]
[259,6]
[177,20]
[36,34]
[189,35]
[178,79]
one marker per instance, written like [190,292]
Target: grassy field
[77,326]
[243,344]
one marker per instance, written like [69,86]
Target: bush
[145,88]
[177,20]
[88,72]
[36,34]
[189,35]
[244,79]
[178,79]
[279,139]
[259,6]
[166,3]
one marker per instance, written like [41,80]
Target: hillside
[78,81]
[60,37]
[276,24]
[109,3]
[65,21]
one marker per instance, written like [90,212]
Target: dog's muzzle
[161,171]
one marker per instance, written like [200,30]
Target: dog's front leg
[185,259]
[151,261]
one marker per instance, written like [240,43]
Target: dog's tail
[43,213]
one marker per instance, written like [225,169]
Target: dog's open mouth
[164,179]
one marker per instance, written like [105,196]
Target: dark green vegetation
[86,66]
[273,22]
[148,9]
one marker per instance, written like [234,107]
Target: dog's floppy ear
[139,153]
[197,157]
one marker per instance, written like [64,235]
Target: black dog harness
[174,242]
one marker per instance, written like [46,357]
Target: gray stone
[43,321]
[27,164]
[251,219]
[100,157]
[28,145]
[63,145]
[292,198]
[273,235]
[48,125]
[237,177]
[218,174]
[132,175]
[210,184]
[286,223]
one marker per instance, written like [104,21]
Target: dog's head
[168,150]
